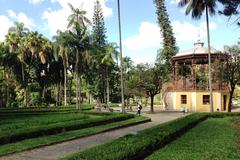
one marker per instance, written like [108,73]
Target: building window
[183,99]
[206,99]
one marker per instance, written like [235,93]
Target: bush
[137,146]
[21,134]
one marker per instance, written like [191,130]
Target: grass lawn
[213,139]
[17,123]
[47,140]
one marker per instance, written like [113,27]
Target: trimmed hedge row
[60,127]
[139,145]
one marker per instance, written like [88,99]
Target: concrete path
[62,149]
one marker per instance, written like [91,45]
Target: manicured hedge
[139,145]
[65,136]
[42,110]
[51,129]
[222,115]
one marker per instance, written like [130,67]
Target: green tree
[231,8]
[15,39]
[152,80]
[77,29]
[98,28]
[63,50]
[169,41]
[231,69]
[100,43]
[197,8]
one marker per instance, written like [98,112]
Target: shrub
[139,145]
[51,129]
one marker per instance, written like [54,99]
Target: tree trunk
[26,96]
[230,99]
[65,86]
[146,101]
[57,94]
[89,98]
[60,94]
[70,92]
[107,85]
[209,62]
[152,99]
[80,97]
[78,79]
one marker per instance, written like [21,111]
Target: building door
[224,102]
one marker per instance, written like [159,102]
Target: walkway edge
[74,138]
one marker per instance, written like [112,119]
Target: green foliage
[231,8]
[48,140]
[169,41]
[136,146]
[32,127]
[212,139]
[99,30]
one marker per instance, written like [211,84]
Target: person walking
[139,109]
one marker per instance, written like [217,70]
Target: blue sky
[141,34]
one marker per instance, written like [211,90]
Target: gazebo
[190,81]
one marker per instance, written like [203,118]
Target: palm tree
[62,45]
[15,39]
[108,61]
[77,29]
[197,8]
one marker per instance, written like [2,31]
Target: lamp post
[121,58]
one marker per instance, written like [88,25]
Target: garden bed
[144,143]
[65,136]
[138,146]
[211,139]
[13,130]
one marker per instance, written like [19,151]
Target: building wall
[195,101]
[178,101]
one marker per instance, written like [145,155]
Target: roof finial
[198,43]
[198,36]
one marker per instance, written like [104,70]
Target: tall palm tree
[15,39]
[62,45]
[197,8]
[108,61]
[77,24]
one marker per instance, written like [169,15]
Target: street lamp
[121,58]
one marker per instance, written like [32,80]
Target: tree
[63,51]
[231,69]
[77,30]
[108,61]
[99,41]
[231,8]
[99,30]
[197,8]
[15,39]
[146,80]
[169,41]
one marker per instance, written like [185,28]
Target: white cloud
[149,36]
[57,19]
[35,1]
[21,17]
[174,1]
[5,24]
[185,31]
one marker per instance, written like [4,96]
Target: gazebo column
[194,84]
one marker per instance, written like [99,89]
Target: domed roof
[198,49]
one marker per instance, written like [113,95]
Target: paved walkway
[62,149]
